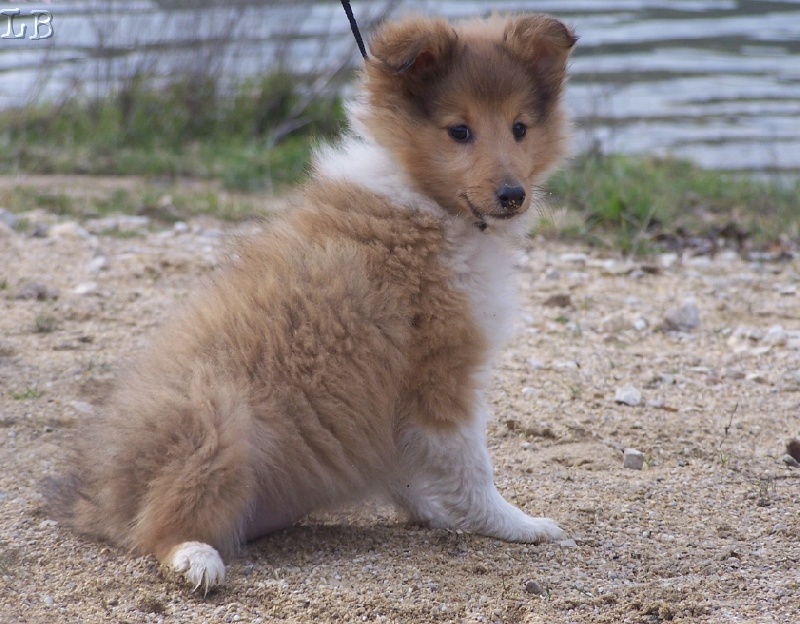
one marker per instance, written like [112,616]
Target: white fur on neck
[481,260]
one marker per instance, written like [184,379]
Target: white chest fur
[481,261]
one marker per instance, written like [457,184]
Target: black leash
[354,27]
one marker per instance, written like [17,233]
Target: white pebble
[87,288]
[68,231]
[628,396]
[573,258]
[535,364]
[776,336]
[97,264]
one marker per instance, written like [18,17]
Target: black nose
[510,196]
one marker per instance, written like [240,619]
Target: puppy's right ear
[413,48]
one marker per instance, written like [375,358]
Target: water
[717,81]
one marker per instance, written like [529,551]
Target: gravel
[710,532]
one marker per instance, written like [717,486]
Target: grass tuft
[636,204]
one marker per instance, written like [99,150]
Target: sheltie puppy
[344,351]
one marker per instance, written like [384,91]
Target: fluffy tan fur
[304,374]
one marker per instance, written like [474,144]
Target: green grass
[165,203]
[259,137]
[633,203]
[258,141]
[26,394]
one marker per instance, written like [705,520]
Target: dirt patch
[708,531]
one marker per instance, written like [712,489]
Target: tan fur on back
[331,329]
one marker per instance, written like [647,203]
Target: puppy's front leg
[447,482]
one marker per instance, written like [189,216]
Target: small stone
[566,365]
[83,407]
[180,227]
[573,258]
[614,322]
[48,600]
[534,587]
[685,317]
[559,300]
[632,459]
[68,231]
[776,336]
[9,219]
[535,364]
[757,377]
[97,264]
[87,288]
[790,461]
[628,396]
[39,230]
[568,543]
[552,275]
[667,260]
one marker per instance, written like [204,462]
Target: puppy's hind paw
[200,564]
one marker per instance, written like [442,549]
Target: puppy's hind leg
[447,482]
[197,500]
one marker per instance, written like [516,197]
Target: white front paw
[538,530]
[200,564]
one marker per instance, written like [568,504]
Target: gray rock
[790,461]
[776,336]
[615,322]
[568,543]
[632,459]
[628,396]
[8,219]
[684,317]
[534,587]
[552,275]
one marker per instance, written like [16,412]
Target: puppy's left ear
[542,42]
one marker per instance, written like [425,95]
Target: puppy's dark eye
[519,130]
[461,134]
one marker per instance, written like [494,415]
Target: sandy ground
[707,531]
